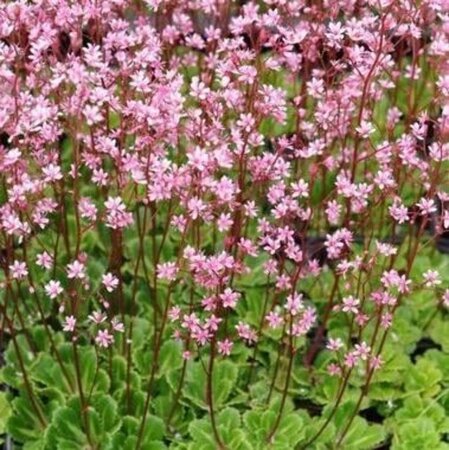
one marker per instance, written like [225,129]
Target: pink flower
[44,260]
[18,270]
[104,338]
[334,369]
[87,209]
[116,215]
[167,271]
[200,335]
[399,212]
[334,344]
[174,313]
[76,270]
[190,321]
[376,362]
[212,323]
[69,324]
[196,207]
[294,303]
[53,289]
[427,206]
[362,351]
[225,347]
[246,333]
[350,359]
[431,278]
[97,317]
[92,115]
[445,298]
[52,172]
[224,222]
[350,304]
[229,298]
[274,319]
[117,325]
[333,212]
[110,282]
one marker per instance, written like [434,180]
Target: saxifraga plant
[217,219]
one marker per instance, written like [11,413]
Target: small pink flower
[44,260]
[445,298]
[110,282]
[334,344]
[117,217]
[212,323]
[104,338]
[294,303]
[225,347]
[76,270]
[201,335]
[350,359]
[334,369]
[53,289]
[97,317]
[174,313]
[52,172]
[274,319]
[427,206]
[167,271]
[87,209]
[117,325]
[376,362]
[69,324]
[431,278]
[362,351]
[229,298]
[350,304]
[18,270]
[246,333]
[196,207]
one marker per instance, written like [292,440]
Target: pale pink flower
[53,289]
[167,271]
[18,270]
[76,270]
[97,317]
[431,278]
[427,206]
[104,338]
[44,260]
[229,298]
[274,319]
[110,282]
[350,304]
[334,344]
[117,325]
[69,324]
[174,313]
[225,347]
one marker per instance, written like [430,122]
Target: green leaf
[363,436]
[5,411]
[417,434]
[154,428]
[201,432]
[423,377]
[170,357]
[224,378]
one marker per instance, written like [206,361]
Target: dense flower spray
[239,174]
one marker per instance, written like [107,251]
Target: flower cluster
[255,170]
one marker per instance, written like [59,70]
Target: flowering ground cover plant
[224,224]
